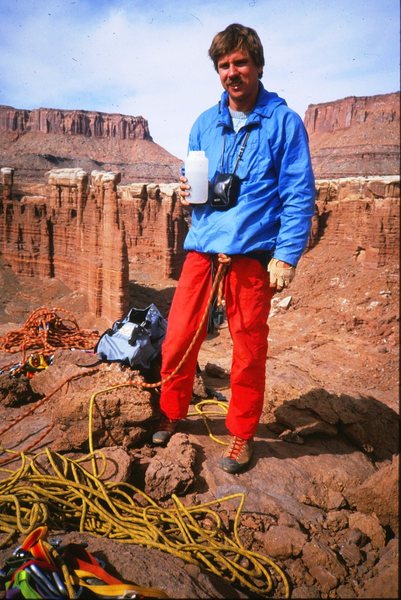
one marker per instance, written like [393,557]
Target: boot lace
[237,445]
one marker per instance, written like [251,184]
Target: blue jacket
[276,201]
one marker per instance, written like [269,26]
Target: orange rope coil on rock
[45,331]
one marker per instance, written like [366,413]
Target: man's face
[239,76]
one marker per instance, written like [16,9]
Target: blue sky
[151,58]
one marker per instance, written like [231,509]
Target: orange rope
[17,454]
[45,330]
[39,403]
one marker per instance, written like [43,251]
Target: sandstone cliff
[355,136]
[86,231]
[360,215]
[74,122]
[33,142]
[95,235]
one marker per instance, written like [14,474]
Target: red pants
[248,296]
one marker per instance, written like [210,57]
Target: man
[264,234]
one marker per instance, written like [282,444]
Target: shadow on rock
[140,296]
[367,423]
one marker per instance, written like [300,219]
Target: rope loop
[54,491]
[224,259]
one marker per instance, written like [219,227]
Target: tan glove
[281,274]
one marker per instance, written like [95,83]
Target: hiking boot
[237,456]
[165,431]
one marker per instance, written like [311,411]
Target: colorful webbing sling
[39,570]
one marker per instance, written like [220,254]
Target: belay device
[134,340]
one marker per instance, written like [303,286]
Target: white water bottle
[196,171]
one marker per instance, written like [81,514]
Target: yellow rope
[67,496]
[51,489]
[187,526]
[198,410]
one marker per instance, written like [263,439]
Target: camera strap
[241,152]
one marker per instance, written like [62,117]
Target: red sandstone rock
[325,578]
[318,554]
[171,470]
[369,424]
[355,136]
[385,580]
[379,494]
[35,141]
[87,232]
[74,122]
[282,542]
[370,525]
[361,214]
[15,392]
[119,413]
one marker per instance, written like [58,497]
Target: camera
[224,191]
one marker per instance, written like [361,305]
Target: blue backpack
[134,340]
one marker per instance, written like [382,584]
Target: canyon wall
[351,137]
[352,111]
[362,216]
[355,136]
[94,234]
[86,231]
[34,141]
[74,122]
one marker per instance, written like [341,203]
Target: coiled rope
[50,489]
[45,331]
